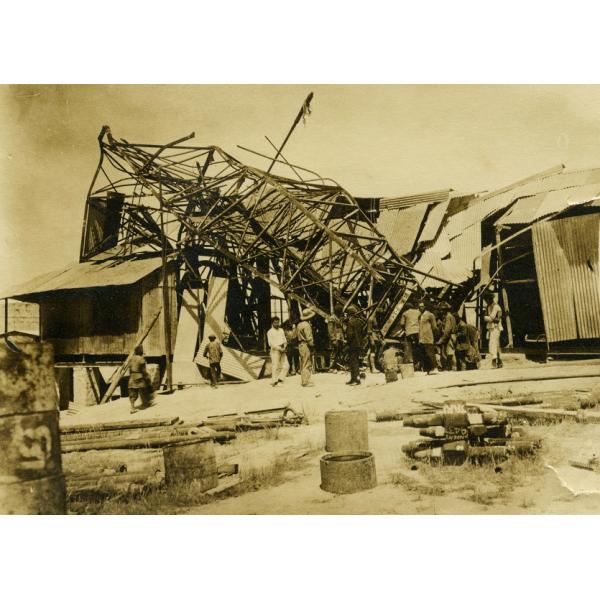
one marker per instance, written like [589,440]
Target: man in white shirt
[277,343]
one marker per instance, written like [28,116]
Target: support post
[165,294]
[503,291]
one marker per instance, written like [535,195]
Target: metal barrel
[348,473]
[31,480]
[346,431]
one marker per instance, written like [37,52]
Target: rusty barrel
[31,480]
[348,473]
[346,431]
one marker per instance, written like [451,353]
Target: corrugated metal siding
[554,281]
[401,227]
[580,238]
[566,260]
[407,201]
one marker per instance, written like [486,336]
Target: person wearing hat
[355,339]
[448,340]
[493,320]
[306,346]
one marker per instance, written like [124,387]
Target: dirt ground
[541,485]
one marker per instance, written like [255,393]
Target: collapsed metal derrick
[310,240]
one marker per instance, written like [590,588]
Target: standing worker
[427,333]
[374,344]
[493,319]
[355,338]
[409,321]
[214,353]
[306,346]
[335,330]
[448,339]
[139,381]
[291,336]
[277,343]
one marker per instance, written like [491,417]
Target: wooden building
[93,312]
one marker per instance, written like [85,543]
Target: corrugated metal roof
[88,275]
[558,200]
[466,247]
[531,208]
[434,220]
[566,261]
[412,200]
[450,270]
[401,227]
[494,202]
[523,211]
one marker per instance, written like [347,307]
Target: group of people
[433,340]
[291,346]
[441,339]
[346,335]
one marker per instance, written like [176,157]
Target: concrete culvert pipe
[346,431]
[348,473]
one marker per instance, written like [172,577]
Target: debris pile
[457,436]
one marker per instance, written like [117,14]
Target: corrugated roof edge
[33,286]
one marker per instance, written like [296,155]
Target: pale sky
[374,140]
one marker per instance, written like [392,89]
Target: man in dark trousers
[214,353]
[428,331]
[355,339]
[139,380]
[409,321]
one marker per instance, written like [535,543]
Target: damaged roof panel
[413,200]
[434,220]
[401,227]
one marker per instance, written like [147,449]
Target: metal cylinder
[348,473]
[31,480]
[346,431]
[407,370]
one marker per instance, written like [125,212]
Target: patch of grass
[485,484]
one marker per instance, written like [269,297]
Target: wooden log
[118,425]
[112,471]
[543,414]
[134,433]
[31,480]
[118,443]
